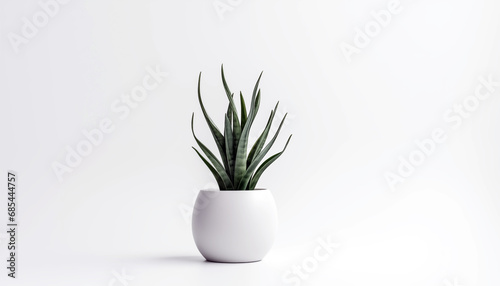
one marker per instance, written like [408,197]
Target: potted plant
[238,222]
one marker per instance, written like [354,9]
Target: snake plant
[238,169]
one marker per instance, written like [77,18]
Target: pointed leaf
[229,114]
[216,164]
[229,95]
[219,180]
[219,139]
[228,135]
[243,111]
[243,183]
[264,165]
[259,144]
[236,129]
[240,164]
[256,87]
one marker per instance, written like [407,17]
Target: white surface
[126,204]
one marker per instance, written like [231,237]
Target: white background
[123,208]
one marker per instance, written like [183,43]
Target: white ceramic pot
[234,226]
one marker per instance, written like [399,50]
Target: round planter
[234,226]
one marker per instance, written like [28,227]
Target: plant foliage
[238,169]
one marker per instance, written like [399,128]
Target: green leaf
[236,130]
[228,135]
[236,133]
[255,93]
[243,183]
[219,180]
[216,164]
[234,111]
[243,111]
[240,164]
[229,114]
[259,144]
[219,139]
[230,97]
[264,165]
